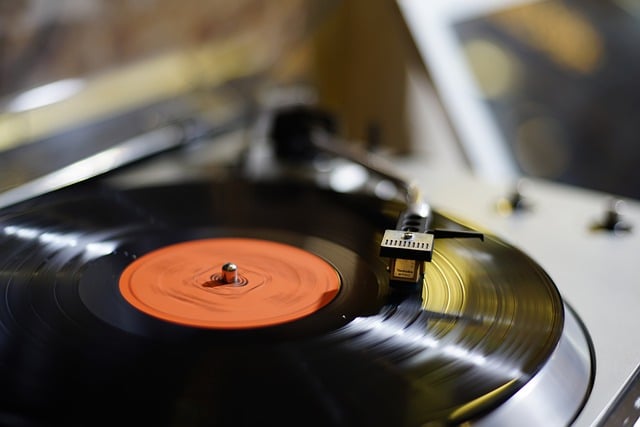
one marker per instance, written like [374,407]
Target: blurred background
[557,79]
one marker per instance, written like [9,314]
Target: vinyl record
[81,343]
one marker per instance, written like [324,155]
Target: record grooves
[74,351]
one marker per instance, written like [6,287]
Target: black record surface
[74,352]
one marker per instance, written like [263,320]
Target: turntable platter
[75,349]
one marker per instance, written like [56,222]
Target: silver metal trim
[124,153]
[557,393]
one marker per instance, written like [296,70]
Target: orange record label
[229,283]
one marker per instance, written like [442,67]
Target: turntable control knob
[516,201]
[613,220]
[229,273]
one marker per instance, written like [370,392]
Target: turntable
[226,283]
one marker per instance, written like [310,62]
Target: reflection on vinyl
[114,303]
